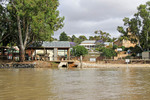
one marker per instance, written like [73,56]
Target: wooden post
[68,53]
[55,53]
[2,50]
[80,61]
[31,54]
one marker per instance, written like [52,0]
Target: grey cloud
[86,16]
[97,9]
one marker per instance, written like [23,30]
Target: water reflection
[87,84]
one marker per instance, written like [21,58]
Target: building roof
[53,44]
[88,42]
[108,43]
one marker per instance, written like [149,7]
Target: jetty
[64,63]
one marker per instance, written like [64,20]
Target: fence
[131,61]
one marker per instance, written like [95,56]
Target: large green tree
[33,20]
[137,29]
[63,37]
[104,36]
[7,27]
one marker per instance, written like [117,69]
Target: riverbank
[36,64]
[76,64]
[107,65]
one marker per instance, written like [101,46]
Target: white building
[108,43]
[91,44]
[88,44]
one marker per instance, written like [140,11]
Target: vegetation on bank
[23,22]
[99,35]
[79,51]
[137,29]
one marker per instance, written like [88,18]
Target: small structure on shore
[3,52]
[63,65]
[146,55]
[9,53]
[51,51]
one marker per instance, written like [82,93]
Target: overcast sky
[83,17]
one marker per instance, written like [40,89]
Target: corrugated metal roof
[88,42]
[56,44]
[53,44]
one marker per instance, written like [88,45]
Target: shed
[54,50]
[146,55]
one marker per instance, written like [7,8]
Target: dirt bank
[48,64]
[95,65]
[38,64]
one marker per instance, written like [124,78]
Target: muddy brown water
[83,84]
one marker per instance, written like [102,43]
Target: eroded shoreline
[109,65]
[77,64]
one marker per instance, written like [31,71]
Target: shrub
[115,47]
[79,50]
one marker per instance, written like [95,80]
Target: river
[75,84]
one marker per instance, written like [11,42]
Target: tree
[97,38]
[77,41]
[115,47]
[107,52]
[35,21]
[137,29]
[136,50]
[53,39]
[73,38]
[79,51]
[94,38]
[102,35]
[69,39]
[91,38]
[113,39]
[7,27]
[82,38]
[63,37]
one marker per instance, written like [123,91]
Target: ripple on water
[87,84]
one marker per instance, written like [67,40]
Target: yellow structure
[125,43]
